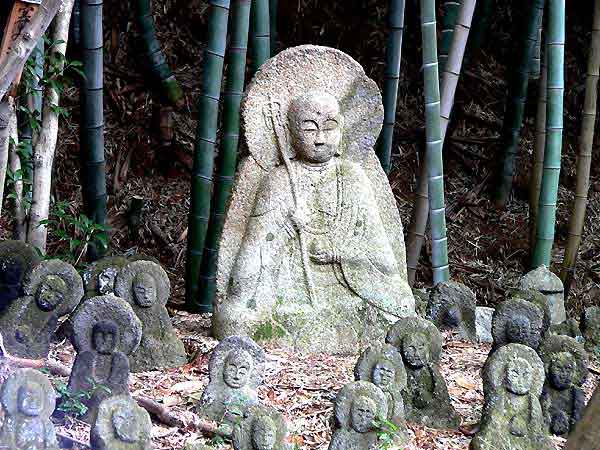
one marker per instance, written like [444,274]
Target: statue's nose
[320,139]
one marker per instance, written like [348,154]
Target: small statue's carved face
[362,414]
[415,350]
[51,292]
[106,280]
[105,335]
[264,434]
[237,369]
[316,127]
[126,425]
[562,370]
[452,316]
[383,373]
[144,289]
[520,331]
[30,399]
[519,376]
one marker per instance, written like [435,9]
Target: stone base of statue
[312,253]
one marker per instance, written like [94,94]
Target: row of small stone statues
[118,306]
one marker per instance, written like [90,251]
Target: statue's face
[144,290]
[264,434]
[383,373]
[316,127]
[363,412]
[126,425]
[562,370]
[104,336]
[519,376]
[519,331]
[238,366]
[30,399]
[452,316]
[106,280]
[415,349]
[51,292]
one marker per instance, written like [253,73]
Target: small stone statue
[451,307]
[590,327]
[236,369]
[145,285]
[537,299]
[121,425]
[512,417]
[548,284]
[426,398]
[569,327]
[17,260]
[28,400]
[563,399]
[262,428]
[517,321]
[105,332]
[358,407]
[53,289]
[382,365]
[312,253]
[99,278]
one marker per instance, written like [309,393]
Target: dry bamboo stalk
[5,117]
[14,163]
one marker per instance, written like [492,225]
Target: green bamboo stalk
[536,61]
[451,8]
[92,117]
[391,81]
[535,184]
[542,253]
[76,24]
[481,24]
[156,60]
[584,158]
[415,235]
[204,149]
[273,14]
[435,164]
[260,34]
[515,105]
[227,158]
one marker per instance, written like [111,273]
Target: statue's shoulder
[352,169]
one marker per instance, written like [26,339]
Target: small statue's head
[316,127]
[519,331]
[452,316]
[105,335]
[415,350]
[519,375]
[126,425]
[30,399]
[144,289]
[106,280]
[11,271]
[51,292]
[237,369]
[384,373]
[264,433]
[562,369]
[362,414]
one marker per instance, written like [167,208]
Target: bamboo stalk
[226,160]
[515,105]
[584,158]
[159,67]
[418,223]
[536,61]
[6,116]
[435,164]
[260,34]
[451,10]
[14,162]
[391,81]
[43,156]
[542,253]
[204,150]
[481,24]
[92,117]
[273,14]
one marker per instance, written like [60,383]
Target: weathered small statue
[512,417]
[105,332]
[537,299]
[563,399]
[121,425]
[517,321]
[52,290]
[569,327]
[17,260]
[262,428]
[312,253]
[590,327]
[99,278]
[548,284]
[451,307]
[236,369]
[426,398]
[146,287]
[28,400]
[358,407]
[382,365]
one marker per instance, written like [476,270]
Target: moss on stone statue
[267,331]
